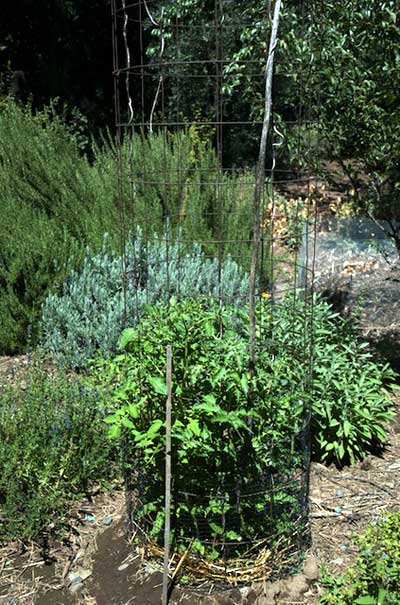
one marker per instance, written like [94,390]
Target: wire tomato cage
[202,165]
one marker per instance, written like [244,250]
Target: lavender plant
[88,316]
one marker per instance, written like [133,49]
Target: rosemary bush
[53,203]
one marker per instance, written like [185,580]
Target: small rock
[251,597]
[85,573]
[76,578]
[76,587]
[123,566]
[76,582]
[248,595]
[294,588]
[311,568]
[338,561]
[366,464]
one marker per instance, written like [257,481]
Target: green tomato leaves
[128,336]
[158,385]
[219,433]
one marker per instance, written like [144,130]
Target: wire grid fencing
[357,271]
[190,186]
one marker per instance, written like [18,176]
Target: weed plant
[53,449]
[374,579]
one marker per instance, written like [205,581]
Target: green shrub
[35,252]
[350,398]
[53,449]
[87,318]
[213,412]
[42,167]
[176,177]
[374,579]
[53,203]
[351,403]
[225,441]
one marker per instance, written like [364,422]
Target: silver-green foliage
[87,317]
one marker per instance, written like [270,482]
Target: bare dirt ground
[13,369]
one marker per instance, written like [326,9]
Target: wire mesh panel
[357,270]
[242,355]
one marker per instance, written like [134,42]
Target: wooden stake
[168,427]
[259,185]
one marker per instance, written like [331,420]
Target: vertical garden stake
[259,185]
[167,527]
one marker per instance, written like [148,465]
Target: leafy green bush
[350,400]
[87,318]
[374,579]
[230,433]
[351,405]
[227,426]
[53,449]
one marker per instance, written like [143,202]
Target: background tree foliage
[337,65]
[357,77]
[337,60]
[195,33]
